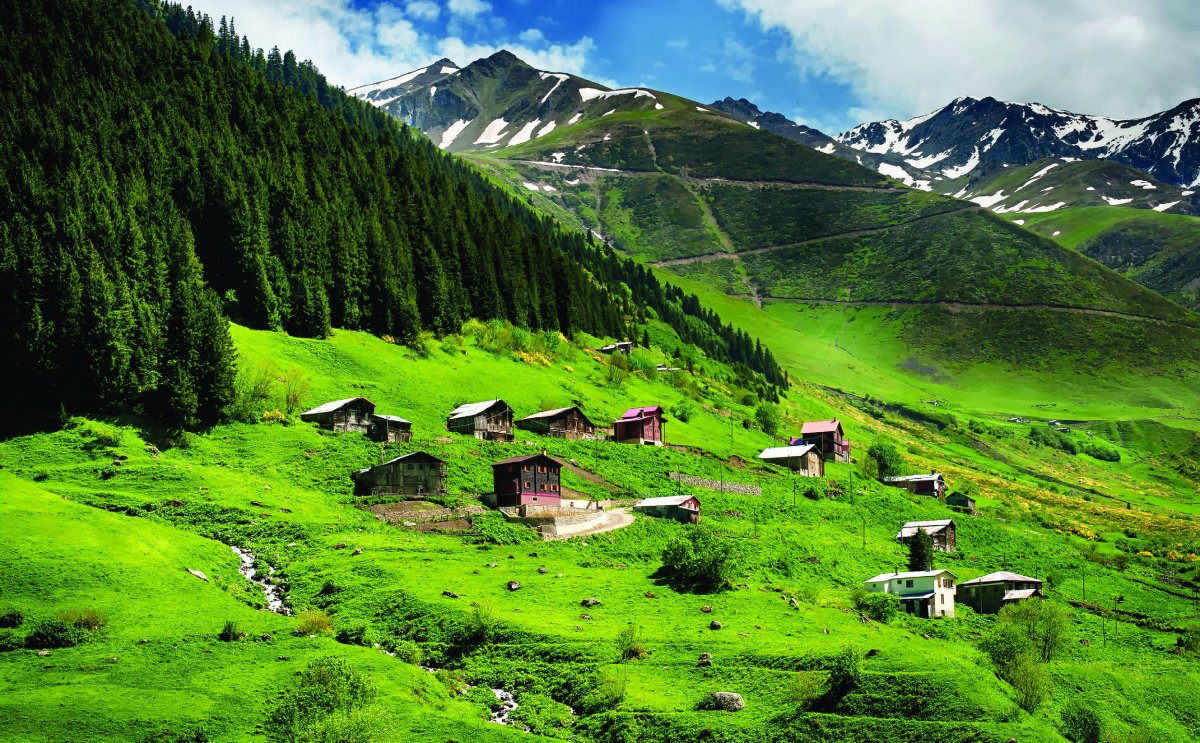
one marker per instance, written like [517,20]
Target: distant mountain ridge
[969,139]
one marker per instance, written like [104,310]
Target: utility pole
[864,531]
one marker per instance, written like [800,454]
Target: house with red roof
[642,425]
[828,437]
[529,480]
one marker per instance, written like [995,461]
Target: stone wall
[720,485]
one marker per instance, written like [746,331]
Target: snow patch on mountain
[1164,207]
[967,167]
[987,202]
[549,127]
[1114,202]
[493,132]
[828,149]
[364,91]
[578,115]
[588,94]
[925,162]
[452,133]
[448,70]
[526,133]
[902,175]
[560,78]
[1145,185]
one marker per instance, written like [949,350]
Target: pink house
[828,437]
[642,425]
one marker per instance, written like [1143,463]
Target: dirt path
[618,518]
[772,248]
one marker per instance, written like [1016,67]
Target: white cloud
[353,46]
[424,10]
[468,8]
[904,58]
[739,60]
[532,36]
[679,44]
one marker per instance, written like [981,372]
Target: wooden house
[988,594]
[829,438]
[415,475]
[960,502]
[932,484]
[925,593]
[683,508]
[491,420]
[529,480]
[387,428]
[642,425]
[625,347]
[351,414]
[805,459]
[942,532]
[563,423]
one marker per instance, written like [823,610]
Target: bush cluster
[700,560]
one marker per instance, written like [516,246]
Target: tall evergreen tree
[920,551]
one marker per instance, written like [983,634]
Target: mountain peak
[506,58]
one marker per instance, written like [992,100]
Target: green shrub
[313,622]
[326,689]
[56,633]
[768,418]
[408,651]
[231,632]
[1030,682]
[358,633]
[700,560]
[886,460]
[606,693]
[684,410]
[542,715]
[11,618]
[881,607]
[1044,623]
[10,640]
[629,646]
[493,528]
[1047,436]
[1005,645]
[1080,723]
[1189,640]
[1103,453]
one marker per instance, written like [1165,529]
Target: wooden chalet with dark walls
[531,480]
[933,484]
[563,423]
[351,414]
[941,532]
[491,420]
[990,593]
[642,425]
[387,428]
[415,475]
[828,437]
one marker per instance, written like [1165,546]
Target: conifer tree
[920,551]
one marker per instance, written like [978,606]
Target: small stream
[273,593]
[508,704]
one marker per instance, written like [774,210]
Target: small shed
[961,502]
[829,438]
[415,475]
[625,347]
[530,480]
[351,414]
[932,484]
[563,423]
[387,428]
[805,459]
[990,593]
[942,532]
[642,425]
[683,508]
[490,420]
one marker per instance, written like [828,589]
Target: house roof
[393,418]
[930,527]
[785,452]
[526,458]
[1002,576]
[641,412]
[553,413]
[828,426]
[669,500]
[914,596]
[414,455]
[329,407]
[915,478]
[472,409]
[1024,593]
[884,577]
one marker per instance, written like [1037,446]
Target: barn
[351,414]
[932,484]
[387,428]
[684,508]
[415,475]
[530,480]
[563,423]
[642,425]
[491,420]
[804,459]
[941,532]
[829,438]
[960,502]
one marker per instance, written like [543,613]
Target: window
[908,584]
[541,468]
[528,485]
[941,598]
[535,499]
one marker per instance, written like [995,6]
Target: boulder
[340,546]
[872,652]
[43,653]
[450,594]
[493,565]
[357,551]
[533,554]
[727,701]
[705,656]
[585,616]
[543,570]
[590,602]
[704,662]
[706,609]
[714,624]
[198,574]
[649,595]
[514,585]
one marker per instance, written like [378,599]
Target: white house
[926,593]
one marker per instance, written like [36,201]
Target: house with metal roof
[989,593]
[350,414]
[925,593]
[491,420]
[829,438]
[932,484]
[941,532]
[385,428]
[805,459]
[685,508]
[563,423]
[642,425]
[533,479]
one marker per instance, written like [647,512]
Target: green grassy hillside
[282,490]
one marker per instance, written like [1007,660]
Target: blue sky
[827,63]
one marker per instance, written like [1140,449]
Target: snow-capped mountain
[496,102]
[970,139]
